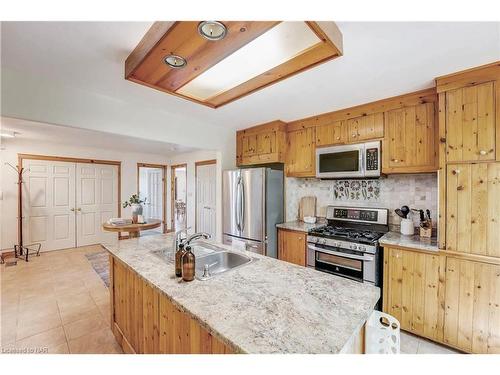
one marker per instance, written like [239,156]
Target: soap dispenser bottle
[178,259]
[188,265]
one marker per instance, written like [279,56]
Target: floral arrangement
[134,199]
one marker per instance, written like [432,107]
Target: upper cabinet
[300,154]
[331,134]
[261,144]
[410,144]
[470,123]
[367,127]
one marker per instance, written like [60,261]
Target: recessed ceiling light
[175,61]
[7,134]
[212,30]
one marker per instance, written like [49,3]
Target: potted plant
[135,204]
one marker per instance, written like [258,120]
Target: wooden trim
[196,165]
[163,168]
[442,171]
[471,257]
[22,157]
[469,77]
[400,101]
[172,194]
[497,117]
[204,162]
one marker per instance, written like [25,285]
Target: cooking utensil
[400,213]
[428,214]
[422,217]
[405,210]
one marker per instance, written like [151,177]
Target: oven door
[354,265]
[340,161]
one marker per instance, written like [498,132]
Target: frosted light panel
[276,46]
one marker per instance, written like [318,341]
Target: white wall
[8,177]
[190,159]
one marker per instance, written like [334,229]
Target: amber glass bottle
[188,265]
[178,260]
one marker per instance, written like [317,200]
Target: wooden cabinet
[261,144]
[331,134]
[301,154]
[365,127]
[145,321]
[472,318]
[470,123]
[473,208]
[414,289]
[292,246]
[410,144]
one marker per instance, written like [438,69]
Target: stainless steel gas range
[348,245]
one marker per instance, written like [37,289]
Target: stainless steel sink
[219,262]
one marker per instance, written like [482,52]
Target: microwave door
[340,161]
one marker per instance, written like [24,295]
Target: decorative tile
[347,190]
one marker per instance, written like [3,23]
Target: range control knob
[323,241]
[353,246]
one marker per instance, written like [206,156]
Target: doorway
[205,196]
[151,187]
[179,196]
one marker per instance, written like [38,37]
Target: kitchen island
[266,306]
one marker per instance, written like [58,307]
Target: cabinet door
[366,127]
[470,123]
[292,246]
[472,318]
[300,156]
[331,134]
[410,143]
[249,147]
[266,143]
[473,208]
[413,290]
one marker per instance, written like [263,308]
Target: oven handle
[344,255]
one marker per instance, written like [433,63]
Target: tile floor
[56,303]
[411,344]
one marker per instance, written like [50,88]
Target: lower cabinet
[449,299]
[145,321]
[413,289]
[292,246]
[472,321]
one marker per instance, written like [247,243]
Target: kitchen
[292,215]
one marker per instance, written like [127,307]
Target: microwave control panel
[372,159]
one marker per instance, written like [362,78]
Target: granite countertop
[267,306]
[413,242]
[300,225]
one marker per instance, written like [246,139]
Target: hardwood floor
[55,303]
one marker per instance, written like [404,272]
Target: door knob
[79,209]
[72,209]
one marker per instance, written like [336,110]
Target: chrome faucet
[178,239]
[196,236]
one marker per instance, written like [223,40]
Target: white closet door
[205,198]
[48,201]
[96,202]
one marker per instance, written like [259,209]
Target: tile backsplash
[417,191]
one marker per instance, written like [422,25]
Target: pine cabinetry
[472,305]
[331,134]
[145,321]
[414,290]
[292,246]
[410,143]
[470,123]
[365,127]
[473,208]
[301,154]
[261,144]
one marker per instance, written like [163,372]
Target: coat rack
[19,171]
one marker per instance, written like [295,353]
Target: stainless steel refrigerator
[252,206]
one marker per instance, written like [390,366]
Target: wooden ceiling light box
[250,56]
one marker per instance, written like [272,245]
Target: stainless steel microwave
[349,161]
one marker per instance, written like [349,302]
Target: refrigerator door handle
[237,204]
[242,206]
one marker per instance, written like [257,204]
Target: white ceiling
[380,60]
[31,130]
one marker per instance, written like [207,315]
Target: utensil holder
[407,227]
[426,229]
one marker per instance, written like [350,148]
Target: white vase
[136,211]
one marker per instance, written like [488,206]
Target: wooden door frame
[196,165]
[21,157]
[172,191]
[163,168]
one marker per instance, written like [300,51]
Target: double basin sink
[212,260]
